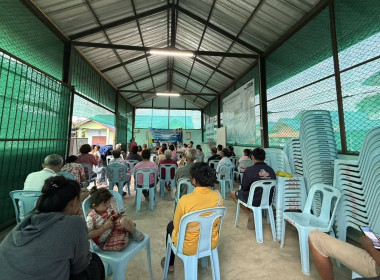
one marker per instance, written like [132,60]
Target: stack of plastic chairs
[359,182]
[318,149]
[292,149]
[290,193]
[290,196]
[277,159]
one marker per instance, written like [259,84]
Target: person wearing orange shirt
[203,197]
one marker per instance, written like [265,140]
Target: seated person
[36,180]
[72,166]
[52,243]
[202,197]
[96,152]
[191,144]
[133,154]
[259,171]
[139,151]
[86,157]
[161,155]
[323,247]
[225,154]
[174,154]
[145,163]
[214,155]
[200,154]
[109,230]
[155,149]
[232,153]
[117,158]
[247,154]
[184,148]
[184,172]
[168,160]
[219,149]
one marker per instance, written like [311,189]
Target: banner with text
[239,114]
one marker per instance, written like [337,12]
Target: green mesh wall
[123,122]
[358,37]
[34,119]
[90,83]
[300,77]
[24,36]
[252,74]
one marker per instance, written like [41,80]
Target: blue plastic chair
[131,163]
[146,172]
[267,186]
[89,170]
[206,219]
[226,175]
[238,173]
[306,222]
[355,275]
[117,261]
[117,173]
[24,202]
[213,163]
[189,189]
[168,167]
[67,175]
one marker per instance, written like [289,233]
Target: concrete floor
[241,257]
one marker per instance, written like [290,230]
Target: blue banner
[165,135]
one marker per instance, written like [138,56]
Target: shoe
[167,187]
[138,236]
[124,193]
[171,268]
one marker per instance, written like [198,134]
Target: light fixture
[167,94]
[172,53]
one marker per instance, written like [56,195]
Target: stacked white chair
[292,149]
[290,193]
[318,149]
[290,196]
[359,182]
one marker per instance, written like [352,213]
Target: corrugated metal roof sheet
[258,23]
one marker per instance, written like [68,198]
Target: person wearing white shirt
[224,154]
[36,180]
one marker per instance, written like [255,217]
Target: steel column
[263,104]
[338,85]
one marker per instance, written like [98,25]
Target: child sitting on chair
[109,230]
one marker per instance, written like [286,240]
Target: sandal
[167,187]
[171,268]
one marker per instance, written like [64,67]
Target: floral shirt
[95,221]
[74,168]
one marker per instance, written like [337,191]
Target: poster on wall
[239,114]
[165,135]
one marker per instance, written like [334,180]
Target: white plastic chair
[243,164]
[307,221]
[117,174]
[168,167]
[267,187]
[118,261]
[206,219]
[146,172]
[189,189]
[89,172]
[24,202]
[213,163]
[226,176]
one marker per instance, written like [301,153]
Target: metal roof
[106,31]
